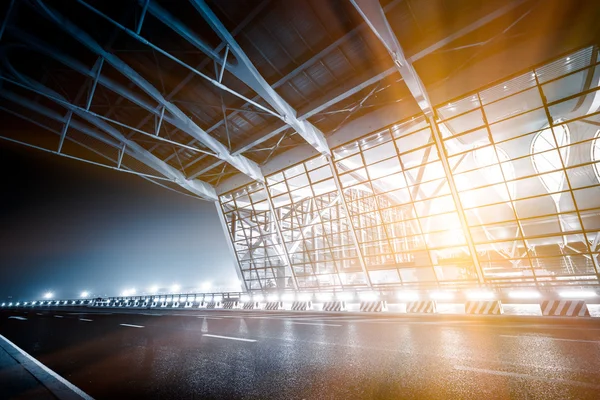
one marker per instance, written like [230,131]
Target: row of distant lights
[131,292]
[402,295]
[413,295]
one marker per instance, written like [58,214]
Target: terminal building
[345,144]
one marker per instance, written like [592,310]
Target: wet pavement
[217,354]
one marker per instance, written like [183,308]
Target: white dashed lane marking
[229,338]
[309,323]
[85,319]
[550,338]
[18,318]
[132,326]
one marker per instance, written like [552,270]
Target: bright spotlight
[524,294]
[407,295]
[153,289]
[324,296]
[288,297]
[258,297]
[304,297]
[441,295]
[84,294]
[480,295]
[245,298]
[48,295]
[344,296]
[273,297]
[18,304]
[580,294]
[3,304]
[206,286]
[368,296]
[175,288]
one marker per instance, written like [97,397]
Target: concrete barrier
[230,305]
[428,306]
[373,306]
[273,305]
[487,307]
[301,305]
[334,306]
[249,305]
[211,304]
[565,308]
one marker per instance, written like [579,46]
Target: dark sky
[67,226]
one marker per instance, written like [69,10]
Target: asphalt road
[216,354]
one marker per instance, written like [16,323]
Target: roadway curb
[61,388]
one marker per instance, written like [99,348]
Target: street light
[206,286]
[84,294]
[154,289]
[175,288]
[48,295]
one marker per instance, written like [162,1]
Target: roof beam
[244,70]
[176,116]
[374,16]
[337,96]
[112,138]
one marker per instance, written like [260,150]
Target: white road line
[58,316]
[230,338]
[132,326]
[85,319]
[50,379]
[309,323]
[152,315]
[39,313]
[19,318]
[526,376]
[209,318]
[551,338]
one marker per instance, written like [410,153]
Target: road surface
[219,354]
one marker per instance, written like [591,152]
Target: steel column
[352,231]
[280,235]
[229,240]
[374,16]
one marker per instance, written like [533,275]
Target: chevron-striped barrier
[565,308]
[301,305]
[334,306]
[211,304]
[230,305]
[488,307]
[421,307]
[373,306]
[249,305]
[273,305]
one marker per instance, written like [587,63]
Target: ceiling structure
[203,96]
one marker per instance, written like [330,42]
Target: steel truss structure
[524,156]
[313,127]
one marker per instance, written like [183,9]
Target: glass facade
[502,190]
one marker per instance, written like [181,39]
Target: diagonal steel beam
[176,116]
[355,85]
[136,151]
[244,70]
[374,16]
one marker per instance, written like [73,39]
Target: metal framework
[273,111]
[522,160]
